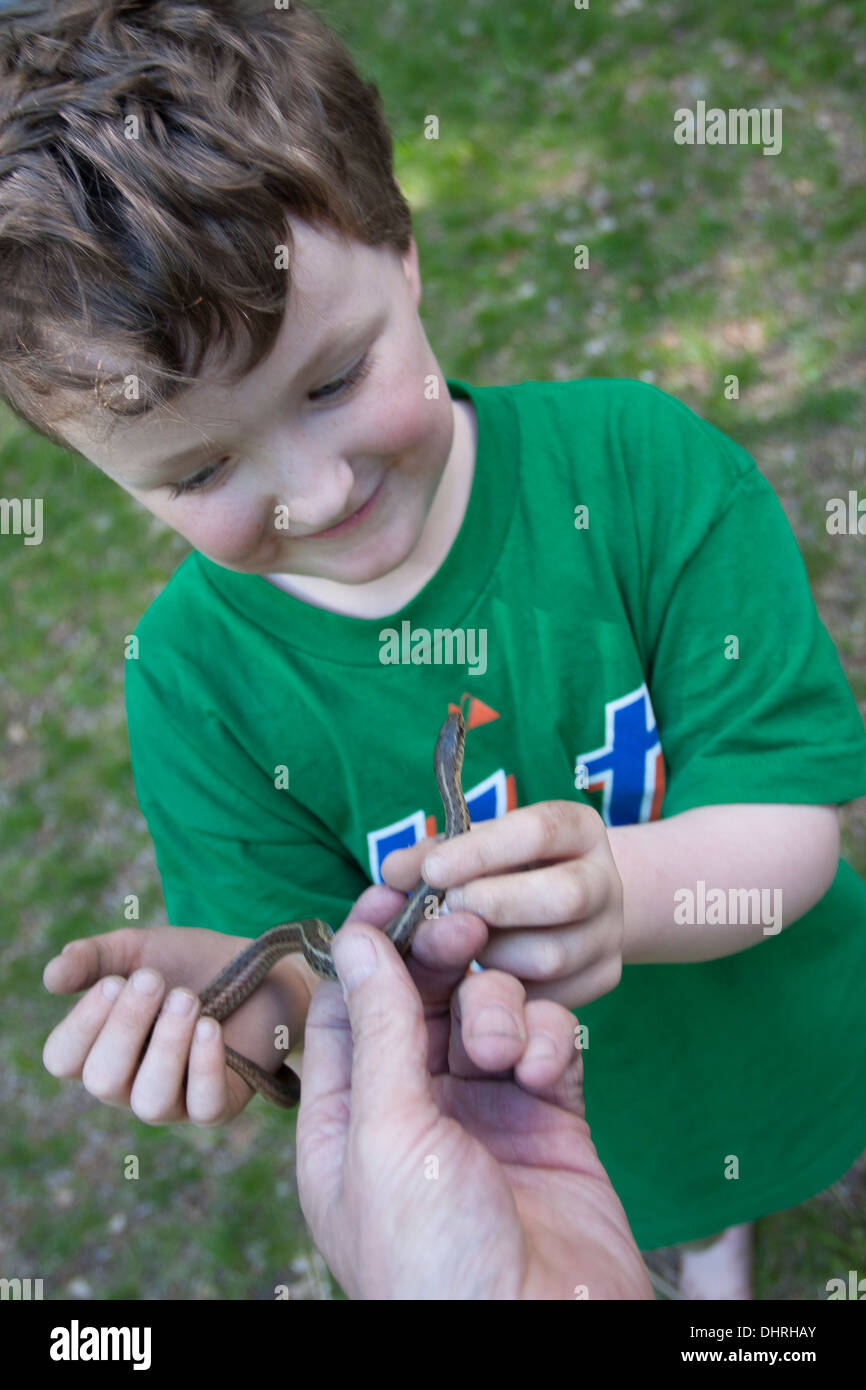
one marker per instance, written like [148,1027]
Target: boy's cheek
[403,422]
[226,534]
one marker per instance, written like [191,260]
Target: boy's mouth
[354,520]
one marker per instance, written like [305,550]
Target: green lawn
[555,128]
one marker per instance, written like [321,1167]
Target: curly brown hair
[150,151]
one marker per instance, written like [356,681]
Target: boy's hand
[102,1038]
[545,881]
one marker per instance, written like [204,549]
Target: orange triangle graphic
[477,712]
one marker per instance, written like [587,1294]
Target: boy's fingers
[210,1097]
[81,963]
[113,1059]
[157,1090]
[402,867]
[67,1046]
[537,834]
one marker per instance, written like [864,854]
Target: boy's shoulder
[607,389]
[636,401]
[176,621]
[634,424]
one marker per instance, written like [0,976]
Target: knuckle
[577,892]
[590,815]
[123,946]
[553,958]
[489,900]
[134,1010]
[552,815]
[128,936]
[485,855]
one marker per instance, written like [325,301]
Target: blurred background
[556,127]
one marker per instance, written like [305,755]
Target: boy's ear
[412,271]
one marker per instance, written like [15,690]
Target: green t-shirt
[600,642]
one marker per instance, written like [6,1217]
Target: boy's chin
[360,563]
[364,569]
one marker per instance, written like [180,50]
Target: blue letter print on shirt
[485,801]
[629,768]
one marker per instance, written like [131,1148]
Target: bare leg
[718,1266]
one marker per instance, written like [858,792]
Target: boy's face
[295,434]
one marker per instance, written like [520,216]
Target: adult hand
[424,1174]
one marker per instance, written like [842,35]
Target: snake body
[236,982]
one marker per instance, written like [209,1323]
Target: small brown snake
[241,976]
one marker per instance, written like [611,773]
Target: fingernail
[145,982]
[112,987]
[454,899]
[541,1046]
[180,1003]
[495,1022]
[205,1029]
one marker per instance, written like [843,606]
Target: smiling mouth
[354,519]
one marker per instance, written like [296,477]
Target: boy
[639,634]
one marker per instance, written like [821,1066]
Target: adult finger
[549,1064]
[384,1057]
[488,1034]
[442,947]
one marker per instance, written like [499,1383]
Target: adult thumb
[389,1032]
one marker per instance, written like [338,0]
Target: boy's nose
[318,496]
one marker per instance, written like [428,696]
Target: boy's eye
[201,479]
[198,480]
[334,388]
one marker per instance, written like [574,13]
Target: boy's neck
[387,595]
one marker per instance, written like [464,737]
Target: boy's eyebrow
[325,350]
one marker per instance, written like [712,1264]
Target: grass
[555,128]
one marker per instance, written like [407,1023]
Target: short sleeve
[750,697]
[235,853]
